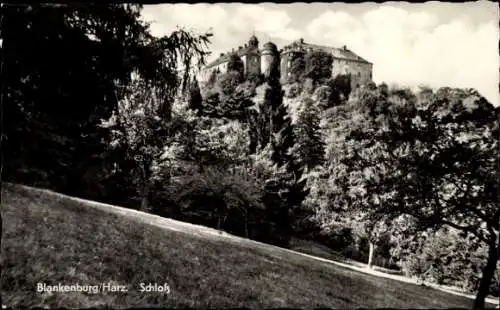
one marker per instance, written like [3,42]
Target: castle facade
[260,60]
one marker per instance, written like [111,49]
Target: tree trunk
[218,221]
[488,274]
[144,203]
[246,225]
[370,254]
[145,189]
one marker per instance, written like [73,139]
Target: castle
[259,60]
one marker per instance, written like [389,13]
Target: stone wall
[361,73]
[253,63]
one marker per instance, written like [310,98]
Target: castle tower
[269,60]
[253,42]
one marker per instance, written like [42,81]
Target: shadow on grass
[51,239]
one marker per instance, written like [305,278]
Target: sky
[432,43]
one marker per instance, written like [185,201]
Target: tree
[228,97]
[341,88]
[272,135]
[308,150]
[318,65]
[227,83]
[222,196]
[440,153]
[324,96]
[142,123]
[236,64]
[56,102]
[195,99]
[334,209]
[212,79]
[136,126]
[297,68]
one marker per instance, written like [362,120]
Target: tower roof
[270,46]
[253,41]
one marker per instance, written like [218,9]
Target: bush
[340,86]
[294,90]
[235,64]
[255,78]
[318,65]
[445,258]
[309,86]
[223,199]
[297,68]
[324,97]
[228,82]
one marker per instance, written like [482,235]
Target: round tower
[269,60]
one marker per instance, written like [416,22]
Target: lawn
[53,239]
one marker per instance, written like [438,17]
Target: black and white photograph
[250,155]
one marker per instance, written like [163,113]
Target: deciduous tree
[433,159]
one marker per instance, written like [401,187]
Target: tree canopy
[432,159]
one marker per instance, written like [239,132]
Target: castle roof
[224,58]
[340,53]
[270,45]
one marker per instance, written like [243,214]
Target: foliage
[195,99]
[433,160]
[308,150]
[138,130]
[211,102]
[212,79]
[57,102]
[205,141]
[297,68]
[220,198]
[229,98]
[341,89]
[255,78]
[236,64]
[294,90]
[308,87]
[323,96]
[318,65]
[445,258]
[272,137]
[227,82]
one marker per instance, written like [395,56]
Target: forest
[95,106]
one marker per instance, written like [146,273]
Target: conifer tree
[274,134]
[195,99]
[308,150]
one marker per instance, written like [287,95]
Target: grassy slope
[48,238]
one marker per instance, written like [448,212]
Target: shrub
[219,198]
[228,82]
[324,97]
[309,86]
[318,65]
[235,64]
[294,90]
[255,78]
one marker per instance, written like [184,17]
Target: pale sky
[432,43]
